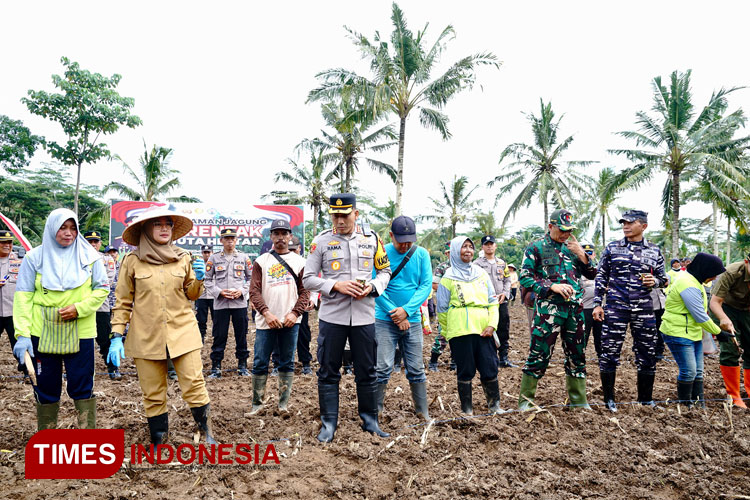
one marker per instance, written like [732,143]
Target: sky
[225,83]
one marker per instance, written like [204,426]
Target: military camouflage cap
[562,219]
[634,215]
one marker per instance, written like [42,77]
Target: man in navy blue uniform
[629,270]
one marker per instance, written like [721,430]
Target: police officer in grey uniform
[9,266]
[104,313]
[228,282]
[347,256]
[205,303]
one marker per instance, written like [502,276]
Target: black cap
[404,230]
[488,239]
[671,263]
[92,235]
[207,248]
[228,232]
[281,224]
[6,236]
[110,249]
[634,215]
[342,203]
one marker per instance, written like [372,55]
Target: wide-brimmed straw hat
[182,225]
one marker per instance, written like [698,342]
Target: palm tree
[599,195]
[538,166]
[401,80]
[487,224]
[313,180]
[352,137]
[455,205]
[676,141]
[156,179]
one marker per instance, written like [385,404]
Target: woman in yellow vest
[684,320]
[60,286]
[468,312]
[156,284]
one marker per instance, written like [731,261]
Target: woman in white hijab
[60,286]
[468,312]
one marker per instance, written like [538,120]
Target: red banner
[75,453]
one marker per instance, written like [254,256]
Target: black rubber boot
[492,393]
[328,398]
[242,368]
[202,417]
[171,372]
[114,372]
[646,389]
[419,396]
[215,370]
[380,396]
[158,428]
[696,395]
[685,393]
[433,365]
[368,409]
[503,361]
[464,395]
[608,387]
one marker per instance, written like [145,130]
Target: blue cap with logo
[404,230]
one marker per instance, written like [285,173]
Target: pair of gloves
[115,354]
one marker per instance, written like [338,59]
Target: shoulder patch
[209,265]
[313,247]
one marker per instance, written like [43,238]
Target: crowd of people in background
[374,302]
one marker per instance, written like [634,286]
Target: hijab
[460,270]
[705,266]
[153,252]
[63,268]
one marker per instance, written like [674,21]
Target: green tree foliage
[155,179]
[455,205]
[684,144]
[401,80]
[17,144]
[537,168]
[29,200]
[597,199]
[87,108]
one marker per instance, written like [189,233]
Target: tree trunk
[716,227]
[729,242]
[342,178]
[348,185]
[400,168]
[78,188]
[316,209]
[675,214]
[604,230]
[546,215]
[453,230]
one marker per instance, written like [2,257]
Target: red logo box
[74,453]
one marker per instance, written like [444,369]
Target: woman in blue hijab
[468,312]
[60,286]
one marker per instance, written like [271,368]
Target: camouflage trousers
[643,331]
[551,320]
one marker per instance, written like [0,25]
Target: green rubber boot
[577,392]
[285,389]
[528,389]
[86,409]
[259,393]
[46,416]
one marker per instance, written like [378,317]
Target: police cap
[634,215]
[6,236]
[228,232]
[488,239]
[93,235]
[342,203]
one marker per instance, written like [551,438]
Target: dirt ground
[636,453]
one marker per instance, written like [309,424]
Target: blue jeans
[265,341]
[410,343]
[689,357]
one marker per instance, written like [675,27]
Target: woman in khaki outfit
[157,282]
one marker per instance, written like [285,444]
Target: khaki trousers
[152,375]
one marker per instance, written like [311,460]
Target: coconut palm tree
[682,143]
[400,81]
[455,206]
[155,180]
[352,135]
[313,180]
[538,167]
[598,197]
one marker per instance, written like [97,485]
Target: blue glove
[116,351]
[23,344]
[199,267]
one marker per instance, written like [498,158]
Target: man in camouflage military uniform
[440,343]
[104,313]
[346,256]
[552,268]
[9,267]
[228,281]
[629,270]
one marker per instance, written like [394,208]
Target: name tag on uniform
[619,251]
[366,253]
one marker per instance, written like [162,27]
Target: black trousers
[103,331]
[503,329]
[595,326]
[6,323]
[220,331]
[202,308]
[331,342]
[474,353]
[304,335]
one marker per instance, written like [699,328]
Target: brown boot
[731,376]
